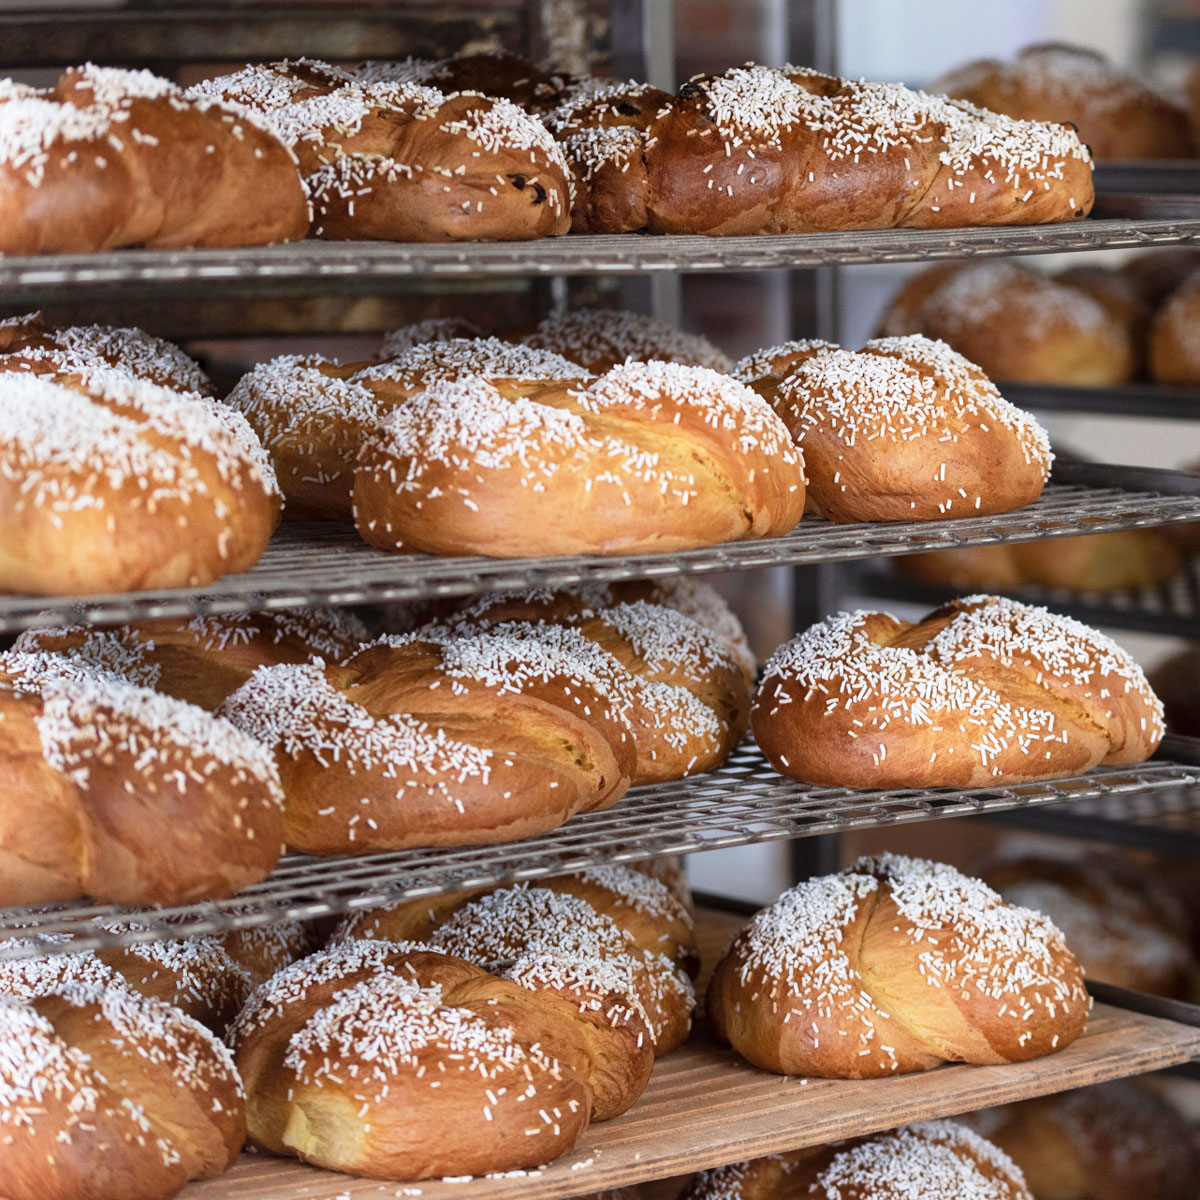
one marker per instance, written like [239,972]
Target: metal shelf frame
[325,563]
[359,267]
[1172,608]
[743,802]
[1140,400]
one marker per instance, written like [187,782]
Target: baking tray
[327,563]
[1119,221]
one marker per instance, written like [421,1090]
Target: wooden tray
[705,1107]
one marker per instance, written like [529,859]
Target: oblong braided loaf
[396,1061]
[895,965]
[649,457]
[760,150]
[407,162]
[110,1095]
[981,691]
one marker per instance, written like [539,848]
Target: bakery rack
[742,802]
[324,562]
[1141,400]
[703,1107]
[1119,222]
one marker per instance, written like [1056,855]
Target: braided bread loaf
[1116,113]
[895,965]
[1174,352]
[405,162]
[116,792]
[618,926]
[421,742]
[603,338]
[936,1160]
[1121,928]
[109,1095]
[650,457]
[204,659]
[313,415]
[101,472]
[679,685]
[1108,1142]
[1019,324]
[111,158]
[395,1061]
[904,429]
[983,690]
[483,732]
[420,333]
[759,150]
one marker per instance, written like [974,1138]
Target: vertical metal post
[643,48]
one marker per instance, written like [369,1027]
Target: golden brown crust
[609,929]
[1107,1142]
[688,696]
[1105,562]
[314,415]
[101,471]
[935,1158]
[895,965]
[399,1062]
[421,742]
[983,690]
[650,457]
[205,659]
[1117,116]
[407,162]
[758,150]
[112,158]
[139,799]
[1017,324]
[107,1093]
[906,429]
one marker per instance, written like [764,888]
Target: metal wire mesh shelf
[349,267]
[744,801]
[1172,608]
[323,563]
[1130,400]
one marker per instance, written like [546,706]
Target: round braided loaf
[983,690]
[895,965]
[397,1061]
[936,1160]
